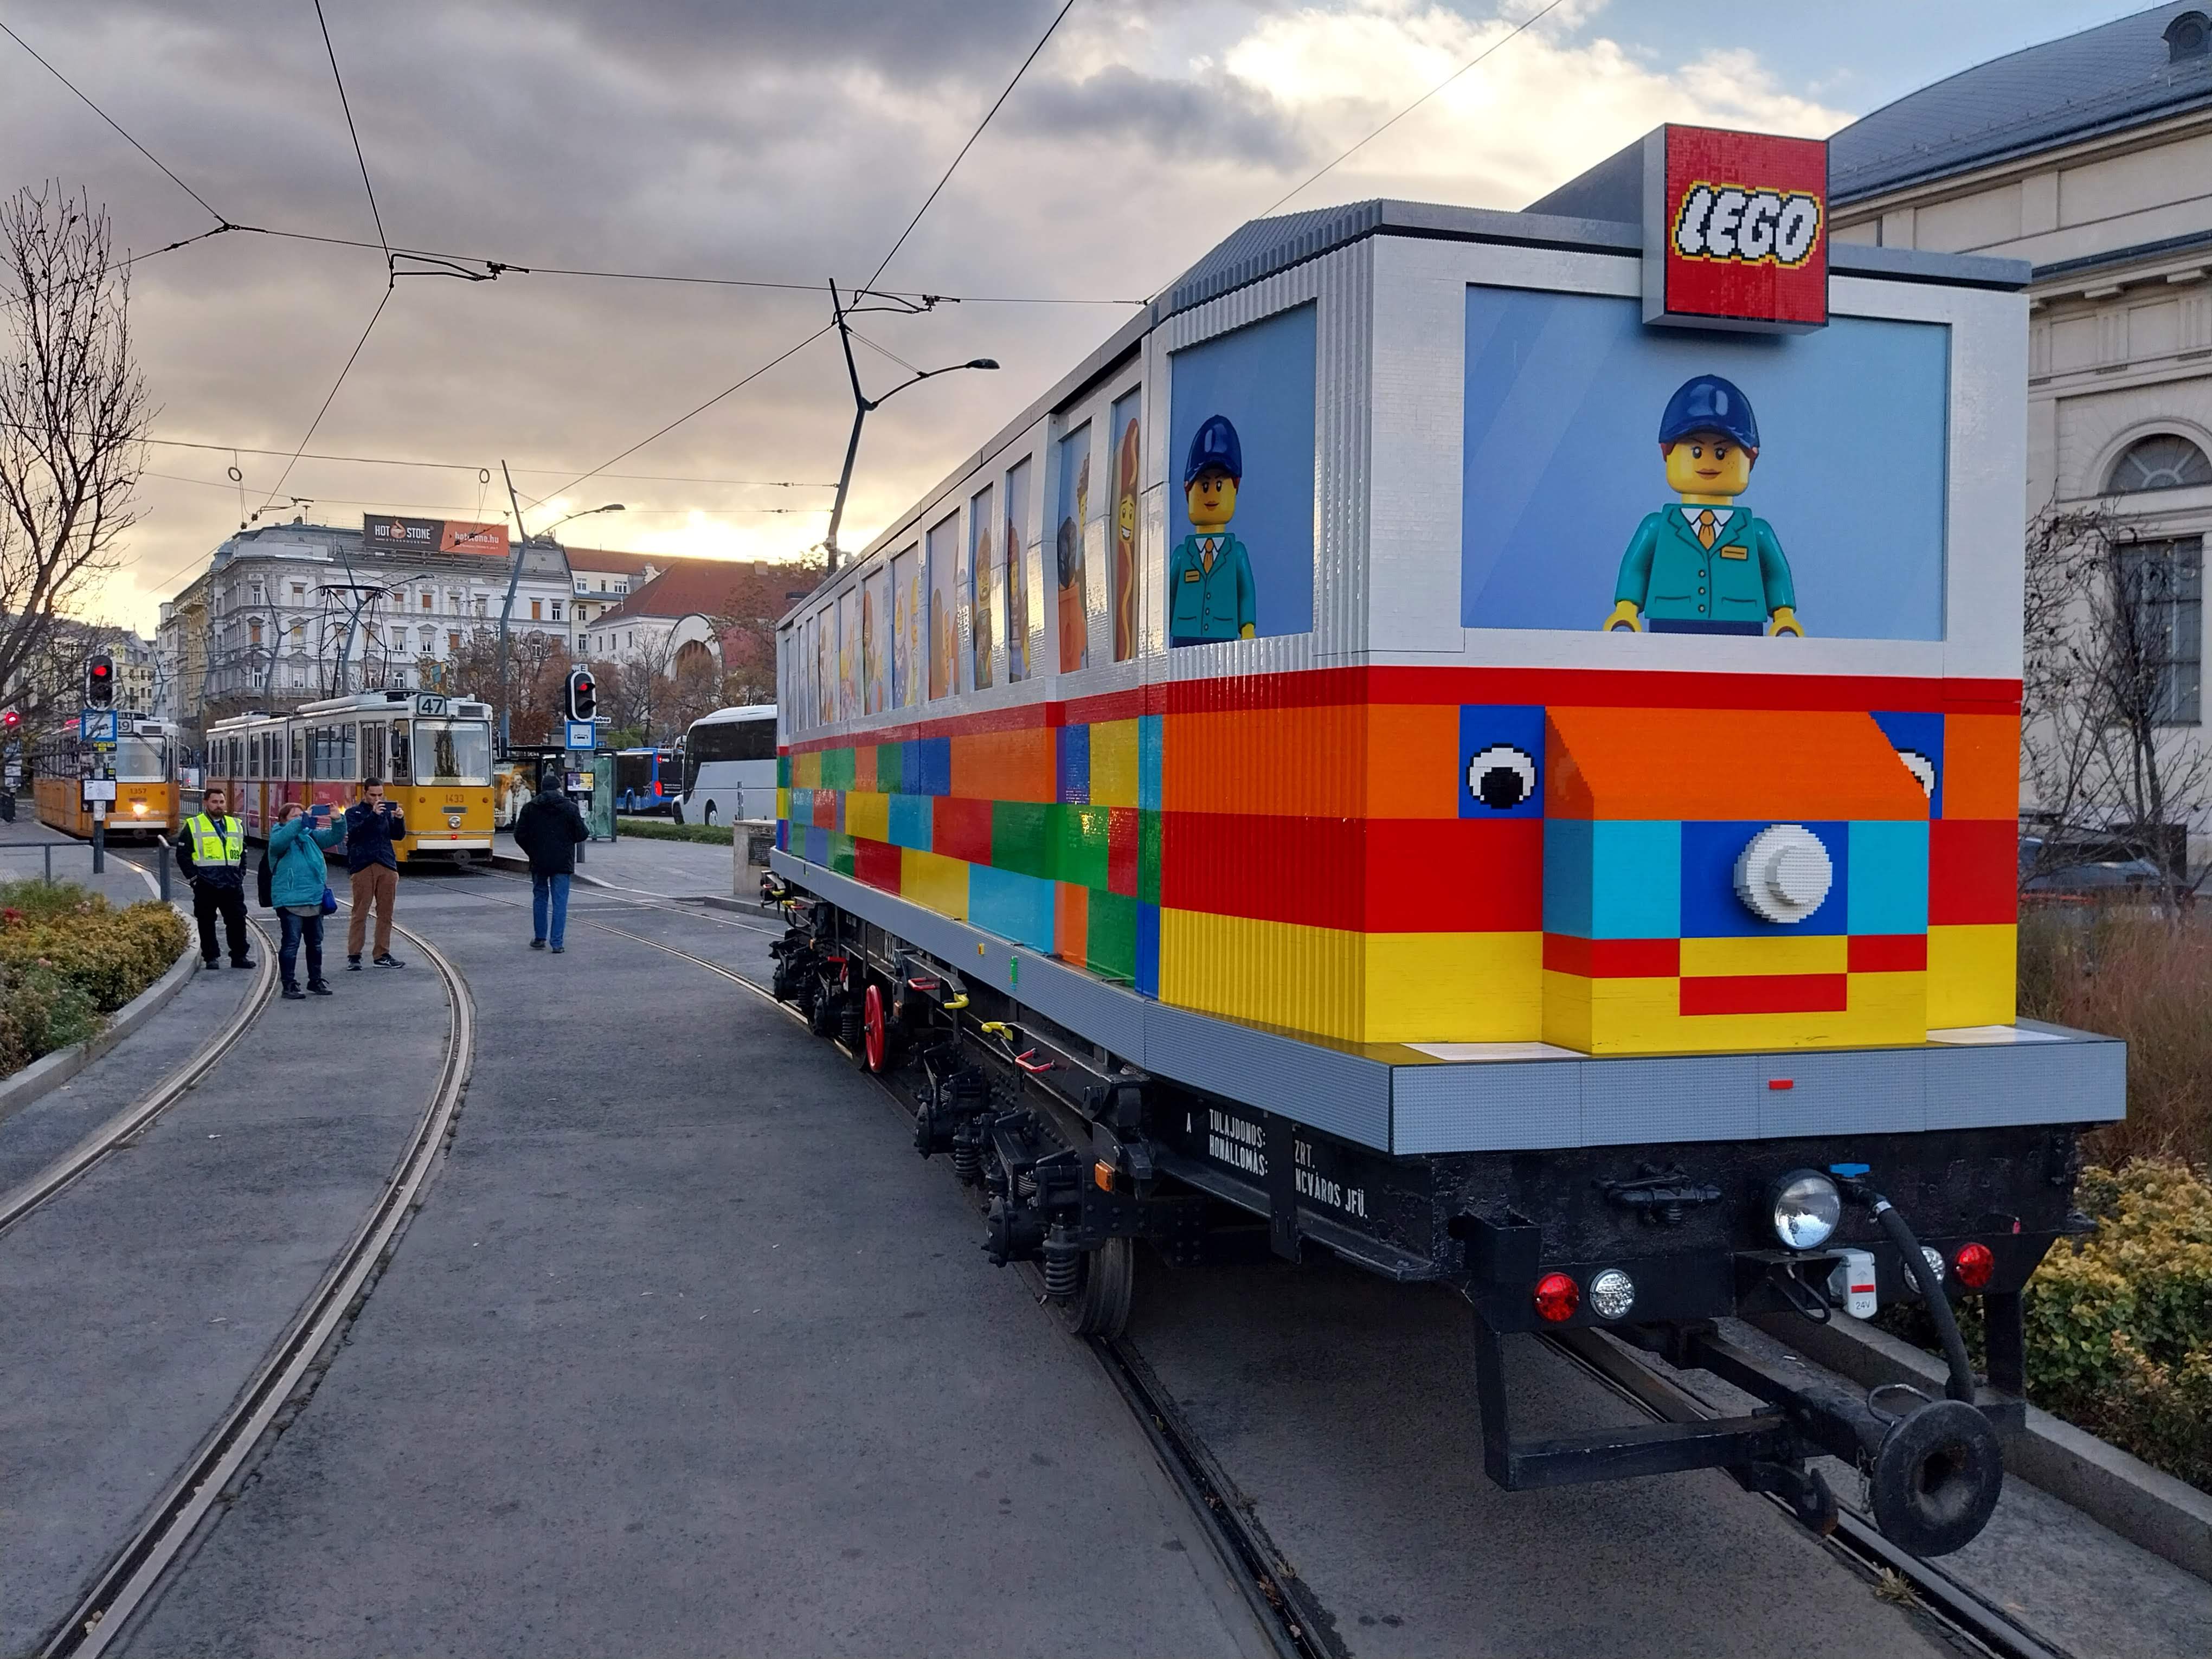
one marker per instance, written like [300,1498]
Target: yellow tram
[145,770]
[432,753]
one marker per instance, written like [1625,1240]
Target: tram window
[253,756]
[402,764]
[371,750]
[298,744]
[318,751]
[345,735]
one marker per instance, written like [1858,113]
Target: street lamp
[514,576]
[862,404]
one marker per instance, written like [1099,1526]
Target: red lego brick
[1767,994]
[1973,866]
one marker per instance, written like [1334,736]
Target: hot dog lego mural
[980,587]
[1018,585]
[1123,597]
[1074,627]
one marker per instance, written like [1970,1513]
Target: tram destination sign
[387,533]
[1735,231]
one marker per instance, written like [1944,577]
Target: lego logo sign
[1738,237]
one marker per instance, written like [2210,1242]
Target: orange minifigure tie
[1705,526]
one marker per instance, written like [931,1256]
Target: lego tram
[144,764]
[1485,744]
[432,753]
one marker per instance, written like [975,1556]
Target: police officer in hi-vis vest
[211,852]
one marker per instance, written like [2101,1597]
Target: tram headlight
[1807,1207]
[1611,1294]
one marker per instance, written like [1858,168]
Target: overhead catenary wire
[352,132]
[1067,7]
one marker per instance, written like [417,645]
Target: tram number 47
[1312,1184]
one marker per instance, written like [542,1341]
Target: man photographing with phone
[372,825]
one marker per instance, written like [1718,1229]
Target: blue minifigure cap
[1215,445]
[1709,403]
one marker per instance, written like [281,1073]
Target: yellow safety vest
[213,846]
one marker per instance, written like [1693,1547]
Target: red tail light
[1557,1297]
[656,786]
[1974,1265]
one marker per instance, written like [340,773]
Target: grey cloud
[1181,122]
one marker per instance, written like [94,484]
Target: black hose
[1961,1386]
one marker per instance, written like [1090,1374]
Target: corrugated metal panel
[1504,1106]
[1264,246]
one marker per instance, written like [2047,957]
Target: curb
[48,1072]
[520,865]
[2168,1517]
[742,907]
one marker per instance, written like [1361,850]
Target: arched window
[2165,461]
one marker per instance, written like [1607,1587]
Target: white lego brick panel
[1861,1091]
[1486,1106]
[1344,441]
[1692,1098]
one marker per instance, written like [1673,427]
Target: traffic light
[583,694]
[100,681]
[10,720]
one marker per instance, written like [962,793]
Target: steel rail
[26,1197]
[1987,1626]
[123,1585]
[1278,1602]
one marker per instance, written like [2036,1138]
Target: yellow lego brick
[1645,1017]
[807,770]
[868,813]
[1454,987]
[933,880]
[1271,973]
[1781,953]
[1113,764]
[783,803]
[1972,974]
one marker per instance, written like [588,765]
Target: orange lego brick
[1018,765]
[1305,763]
[1981,766]
[1750,763]
[1413,761]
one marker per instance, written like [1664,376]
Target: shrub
[68,959]
[2132,975]
[660,830]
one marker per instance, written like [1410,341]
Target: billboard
[385,532]
[1734,230]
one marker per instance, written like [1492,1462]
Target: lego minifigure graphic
[1209,577]
[1704,565]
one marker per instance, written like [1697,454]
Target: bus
[145,770]
[432,753]
[645,780]
[727,764]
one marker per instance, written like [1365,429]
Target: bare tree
[2110,695]
[73,414]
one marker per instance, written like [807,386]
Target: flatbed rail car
[432,753]
[144,765]
[1431,744]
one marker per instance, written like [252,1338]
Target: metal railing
[162,850]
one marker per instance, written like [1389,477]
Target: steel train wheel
[1101,1306]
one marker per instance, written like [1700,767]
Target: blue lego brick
[1889,878]
[909,825]
[1011,905]
[1924,735]
[1710,907]
[1484,727]
[1072,756]
[818,847]
[925,767]
[1612,878]
[1148,950]
[1148,762]
[783,835]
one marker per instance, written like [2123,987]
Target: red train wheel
[874,1043]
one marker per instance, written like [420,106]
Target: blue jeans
[555,888]
[287,953]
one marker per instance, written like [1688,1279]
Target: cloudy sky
[779,141]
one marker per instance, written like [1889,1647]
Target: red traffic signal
[583,695]
[10,719]
[100,682]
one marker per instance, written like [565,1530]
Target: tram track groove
[280,1385]
[1280,1601]
[27,1197]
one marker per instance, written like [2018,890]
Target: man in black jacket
[547,830]
[374,826]
[211,852]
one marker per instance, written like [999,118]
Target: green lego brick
[1148,857]
[840,851]
[836,768]
[890,762]
[1112,947]
[1021,838]
[783,771]
[1079,845]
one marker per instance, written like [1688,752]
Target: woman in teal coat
[297,879]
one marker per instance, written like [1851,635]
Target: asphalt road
[687,1352]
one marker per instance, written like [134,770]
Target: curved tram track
[1281,1602]
[277,1382]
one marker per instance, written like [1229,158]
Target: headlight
[1611,1294]
[1807,1207]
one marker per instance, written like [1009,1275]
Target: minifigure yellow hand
[1624,618]
[1245,632]
[1785,621]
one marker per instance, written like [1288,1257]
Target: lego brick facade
[1378,856]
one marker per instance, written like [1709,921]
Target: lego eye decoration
[1502,777]
[1922,769]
